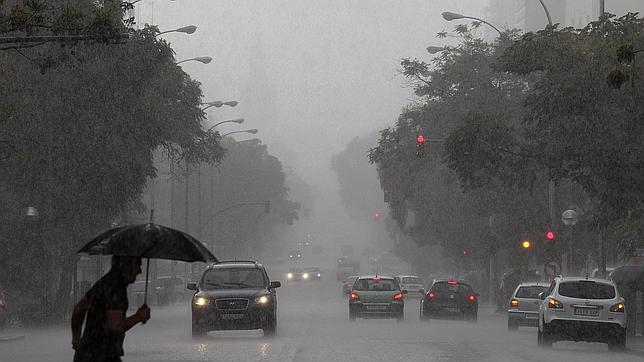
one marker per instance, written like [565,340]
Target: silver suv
[580,309]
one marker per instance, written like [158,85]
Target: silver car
[524,305]
[412,284]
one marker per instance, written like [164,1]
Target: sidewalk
[635,343]
[9,335]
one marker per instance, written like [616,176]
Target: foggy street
[313,326]
[321,180]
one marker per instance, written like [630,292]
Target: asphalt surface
[313,326]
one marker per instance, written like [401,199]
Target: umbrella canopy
[149,241]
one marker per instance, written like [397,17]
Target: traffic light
[550,235]
[466,252]
[526,244]
[420,146]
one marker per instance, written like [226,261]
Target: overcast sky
[309,74]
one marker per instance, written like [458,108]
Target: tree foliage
[80,124]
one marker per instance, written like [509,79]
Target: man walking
[103,309]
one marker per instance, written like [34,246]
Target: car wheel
[512,326]
[198,331]
[474,316]
[270,328]
[619,343]
[400,317]
[543,338]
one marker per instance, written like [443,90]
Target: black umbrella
[149,241]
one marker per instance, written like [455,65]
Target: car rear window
[233,278]
[455,288]
[530,292]
[587,290]
[411,280]
[376,284]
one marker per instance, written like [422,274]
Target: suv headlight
[262,299]
[200,301]
[305,275]
[289,276]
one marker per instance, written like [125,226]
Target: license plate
[586,312]
[232,316]
[376,307]
[531,316]
[453,309]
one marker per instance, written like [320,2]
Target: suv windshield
[454,288]
[233,278]
[587,290]
[376,284]
[530,292]
[411,280]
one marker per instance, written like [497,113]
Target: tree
[77,143]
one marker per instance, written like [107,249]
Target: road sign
[569,217]
[552,268]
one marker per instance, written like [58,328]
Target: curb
[11,338]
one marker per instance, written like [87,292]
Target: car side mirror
[192,286]
[404,291]
[275,284]
[542,295]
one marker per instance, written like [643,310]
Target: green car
[376,296]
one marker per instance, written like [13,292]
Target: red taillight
[398,296]
[514,303]
[349,285]
[431,295]
[354,297]
[471,298]
[452,282]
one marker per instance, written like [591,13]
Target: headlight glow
[201,301]
[305,275]
[319,274]
[262,300]
[289,275]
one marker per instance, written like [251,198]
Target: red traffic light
[376,216]
[465,252]
[550,235]
[420,138]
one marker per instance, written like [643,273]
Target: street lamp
[251,131]
[204,60]
[434,49]
[449,16]
[186,29]
[219,104]
[236,120]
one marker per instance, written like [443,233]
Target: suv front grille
[232,303]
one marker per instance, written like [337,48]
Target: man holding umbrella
[104,305]
[103,309]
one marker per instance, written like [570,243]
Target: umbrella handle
[147,271]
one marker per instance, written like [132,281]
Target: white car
[524,305]
[412,284]
[580,309]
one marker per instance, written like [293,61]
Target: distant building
[529,15]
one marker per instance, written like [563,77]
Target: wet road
[313,326]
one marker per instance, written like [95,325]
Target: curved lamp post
[186,29]
[204,60]
[251,131]
[433,49]
[547,12]
[219,104]
[236,120]
[449,16]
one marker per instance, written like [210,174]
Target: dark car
[450,298]
[234,295]
[312,273]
